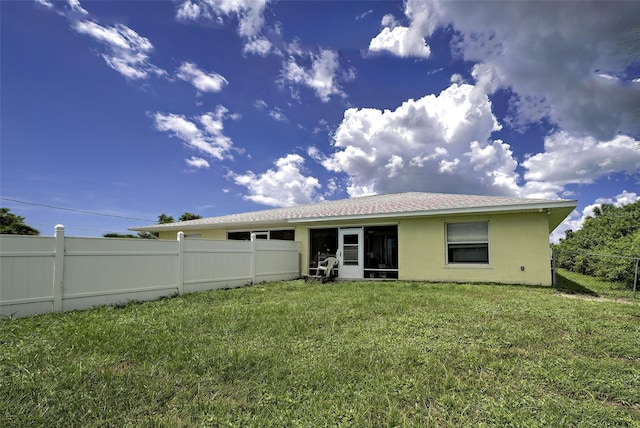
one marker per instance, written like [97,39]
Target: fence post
[58,269]
[635,279]
[180,262]
[253,258]
[554,256]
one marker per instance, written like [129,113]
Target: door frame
[351,271]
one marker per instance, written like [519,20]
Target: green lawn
[575,283]
[345,354]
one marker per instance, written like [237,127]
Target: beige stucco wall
[515,240]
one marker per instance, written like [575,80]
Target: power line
[71,227]
[76,211]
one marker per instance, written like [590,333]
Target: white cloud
[443,143]
[285,185]
[192,10]
[560,62]
[436,143]
[364,14]
[569,159]
[400,41]
[201,80]
[76,7]
[389,21]
[448,167]
[260,104]
[558,59]
[197,162]
[277,114]
[45,3]
[127,51]
[116,37]
[249,12]
[406,41]
[394,166]
[323,76]
[624,198]
[204,135]
[258,46]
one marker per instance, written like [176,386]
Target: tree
[164,218]
[12,224]
[120,235]
[189,216]
[614,231]
[147,235]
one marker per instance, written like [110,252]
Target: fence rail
[50,274]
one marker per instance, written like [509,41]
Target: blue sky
[136,108]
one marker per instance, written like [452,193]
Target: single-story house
[408,236]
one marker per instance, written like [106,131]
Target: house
[408,236]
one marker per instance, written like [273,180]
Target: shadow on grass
[567,285]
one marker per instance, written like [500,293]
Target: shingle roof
[401,204]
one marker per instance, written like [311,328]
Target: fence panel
[277,260]
[101,271]
[43,274]
[26,262]
[216,264]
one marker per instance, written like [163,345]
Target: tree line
[162,219]
[13,224]
[613,234]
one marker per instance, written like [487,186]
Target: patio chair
[326,268]
[325,271]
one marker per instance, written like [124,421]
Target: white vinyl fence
[50,274]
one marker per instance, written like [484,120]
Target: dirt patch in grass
[598,298]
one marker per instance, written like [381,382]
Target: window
[351,249]
[468,242]
[239,236]
[285,235]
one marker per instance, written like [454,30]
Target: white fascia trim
[449,211]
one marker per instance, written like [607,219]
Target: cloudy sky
[133,108]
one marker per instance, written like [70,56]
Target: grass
[344,354]
[575,283]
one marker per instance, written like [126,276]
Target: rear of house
[408,236]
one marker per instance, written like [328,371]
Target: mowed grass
[575,283]
[343,354]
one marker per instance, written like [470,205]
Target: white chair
[326,268]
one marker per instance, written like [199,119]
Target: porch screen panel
[381,251]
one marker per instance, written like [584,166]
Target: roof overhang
[556,211]
[177,227]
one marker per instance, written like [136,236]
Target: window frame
[478,243]
[260,233]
